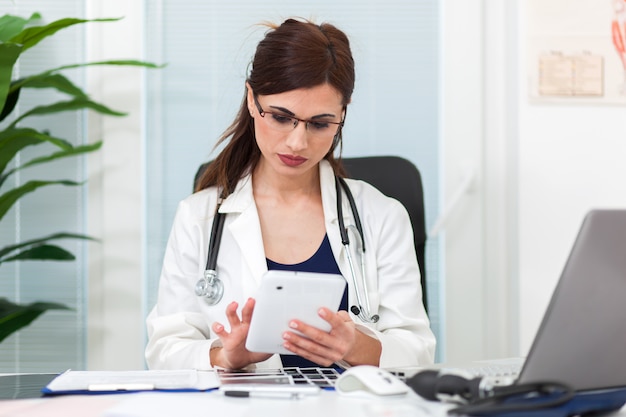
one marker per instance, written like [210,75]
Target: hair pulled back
[295,54]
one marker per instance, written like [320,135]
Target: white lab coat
[179,326]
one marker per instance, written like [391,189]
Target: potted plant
[17,35]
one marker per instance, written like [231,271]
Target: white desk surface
[153,404]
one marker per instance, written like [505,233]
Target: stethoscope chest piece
[210,287]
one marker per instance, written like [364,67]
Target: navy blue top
[324,262]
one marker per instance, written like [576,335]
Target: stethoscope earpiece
[364,317]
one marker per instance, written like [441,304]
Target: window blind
[56,340]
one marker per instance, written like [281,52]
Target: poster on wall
[576,51]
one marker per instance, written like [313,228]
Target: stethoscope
[211,288]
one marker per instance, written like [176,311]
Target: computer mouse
[367,379]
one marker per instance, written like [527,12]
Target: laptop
[581,341]
[582,338]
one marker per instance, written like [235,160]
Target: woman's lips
[292,160]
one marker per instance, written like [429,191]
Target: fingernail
[286,336]
[322,312]
[293,324]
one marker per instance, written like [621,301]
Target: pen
[263,394]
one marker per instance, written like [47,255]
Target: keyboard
[318,376]
[493,370]
[499,372]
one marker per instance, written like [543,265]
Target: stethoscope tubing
[363,309]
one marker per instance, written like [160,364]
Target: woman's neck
[266,182]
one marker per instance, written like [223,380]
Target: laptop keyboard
[510,371]
[498,374]
[321,377]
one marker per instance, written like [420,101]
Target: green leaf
[124,62]
[14,140]
[10,102]
[14,317]
[74,151]
[119,62]
[11,25]
[10,148]
[10,197]
[31,36]
[78,150]
[11,248]
[41,253]
[50,80]
[72,105]
[9,53]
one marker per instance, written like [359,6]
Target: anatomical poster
[576,51]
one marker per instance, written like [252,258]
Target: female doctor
[274,184]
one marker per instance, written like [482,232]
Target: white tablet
[288,295]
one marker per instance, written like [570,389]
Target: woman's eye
[282,119]
[319,125]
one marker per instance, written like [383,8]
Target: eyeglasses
[281,122]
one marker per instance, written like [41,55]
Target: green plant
[17,35]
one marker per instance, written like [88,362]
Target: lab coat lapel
[329,202]
[246,229]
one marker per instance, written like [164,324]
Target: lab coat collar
[246,228]
[241,199]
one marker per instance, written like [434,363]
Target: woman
[276,177]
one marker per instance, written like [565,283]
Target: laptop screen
[582,338]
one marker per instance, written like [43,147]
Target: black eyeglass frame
[297,120]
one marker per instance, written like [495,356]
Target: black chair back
[398,178]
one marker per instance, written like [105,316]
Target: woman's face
[316,113]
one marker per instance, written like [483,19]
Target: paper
[118,381]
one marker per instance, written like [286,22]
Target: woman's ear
[250,99]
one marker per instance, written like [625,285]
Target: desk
[202,404]
[191,404]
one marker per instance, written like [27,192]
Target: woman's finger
[231,314]
[248,309]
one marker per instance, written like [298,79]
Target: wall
[539,169]
[571,159]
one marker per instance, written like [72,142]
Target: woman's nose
[297,139]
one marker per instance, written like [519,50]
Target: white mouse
[369,379]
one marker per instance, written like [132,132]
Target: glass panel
[56,340]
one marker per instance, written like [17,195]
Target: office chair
[395,177]
[398,178]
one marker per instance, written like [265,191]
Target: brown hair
[295,54]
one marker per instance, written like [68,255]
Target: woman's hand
[342,342]
[233,353]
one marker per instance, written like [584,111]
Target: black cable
[518,398]
[342,228]
[355,212]
[215,239]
